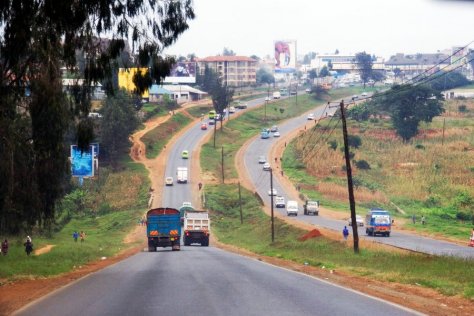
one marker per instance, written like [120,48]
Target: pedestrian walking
[28,246]
[82,235]
[423,220]
[5,247]
[345,232]
[413,218]
[281,173]
[75,235]
[200,185]
[471,241]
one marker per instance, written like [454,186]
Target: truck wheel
[151,249]
[388,235]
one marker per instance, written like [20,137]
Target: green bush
[419,146]
[462,108]
[463,216]
[362,165]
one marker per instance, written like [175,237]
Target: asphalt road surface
[204,281]
[261,180]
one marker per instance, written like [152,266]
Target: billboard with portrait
[285,56]
[182,72]
[82,163]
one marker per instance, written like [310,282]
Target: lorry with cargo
[182,174]
[311,207]
[163,228]
[196,228]
[378,221]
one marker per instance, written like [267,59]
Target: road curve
[261,181]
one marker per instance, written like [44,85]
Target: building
[342,63]
[183,93]
[157,93]
[235,71]
[417,63]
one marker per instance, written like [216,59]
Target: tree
[448,80]
[228,52]
[264,76]
[330,66]
[378,75]
[364,65]
[312,74]
[255,57]
[336,52]
[208,80]
[308,57]
[397,72]
[35,112]
[118,121]
[324,72]
[409,105]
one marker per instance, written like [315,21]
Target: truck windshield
[382,219]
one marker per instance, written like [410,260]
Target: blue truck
[163,228]
[378,221]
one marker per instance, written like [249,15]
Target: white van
[292,208]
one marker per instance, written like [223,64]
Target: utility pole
[271,204]
[222,163]
[349,180]
[240,205]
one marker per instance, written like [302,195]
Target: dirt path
[43,250]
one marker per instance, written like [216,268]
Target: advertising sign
[182,72]
[125,79]
[285,56]
[82,163]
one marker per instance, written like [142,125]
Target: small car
[186,204]
[279,201]
[168,181]
[364,94]
[359,220]
[267,98]
[276,134]
[264,135]
[241,106]
[274,128]
[185,154]
[231,109]
[203,126]
[261,159]
[311,116]
[355,96]
[266,166]
[272,192]
[211,122]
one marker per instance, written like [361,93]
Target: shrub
[354,141]
[462,108]
[432,201]
[463,216]
[332,144]
[362,164]
[419,146]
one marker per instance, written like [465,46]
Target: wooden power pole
[349,180]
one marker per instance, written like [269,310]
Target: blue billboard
[82,163]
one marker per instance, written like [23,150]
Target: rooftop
[226,58]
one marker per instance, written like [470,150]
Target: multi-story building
[342,63]
[236,71]
[417,62]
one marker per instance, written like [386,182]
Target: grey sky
[381,27]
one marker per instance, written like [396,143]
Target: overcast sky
[380,27]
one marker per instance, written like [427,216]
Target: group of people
[80,235]
[423,219]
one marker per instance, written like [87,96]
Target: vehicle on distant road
[265,134]
[203,126]
[364,94]
[355,97]
[185,154]
[378,221]
[279,201]
[267,98]
[276,134]
[196,228]
[274,128]
[211,122]
[292,208]
[169,181]
[241,105]
[311,207]
[212,114]
[163,228]
[311,116]
[272,192]
[231,109]
[182,174]
[276,95]
[261,159]
[266,166]
[359,220]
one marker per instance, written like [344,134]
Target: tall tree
[221,97]
[409,105]
[364,65]
[228,52]
[264,76]
[37,39]
[324,72]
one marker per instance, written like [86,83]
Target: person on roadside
[345,233]
[5,247]
[28,246]
[75,235]
[413,218]
[200,185]
[82,235]
[423,220]
[471,243]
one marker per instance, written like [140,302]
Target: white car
[359,220]
[272,192]
[279,201]
[231,109]
[355,96]
[267,98]
[266,166]
[292,208]
[364,94]
[276,134]
[311,116]
[261,159]
[169,181]
[187,204]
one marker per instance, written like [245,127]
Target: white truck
[292,208]
[182,174]
[276,95]
[196,227]
[311,207]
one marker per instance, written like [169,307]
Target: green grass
[200,111]
[104,235]
[450,276]
[157,138]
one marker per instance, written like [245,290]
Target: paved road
[205,281]
[261,179]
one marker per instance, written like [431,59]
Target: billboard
[285,56]
[125,79]
[182,72]
[82,163]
